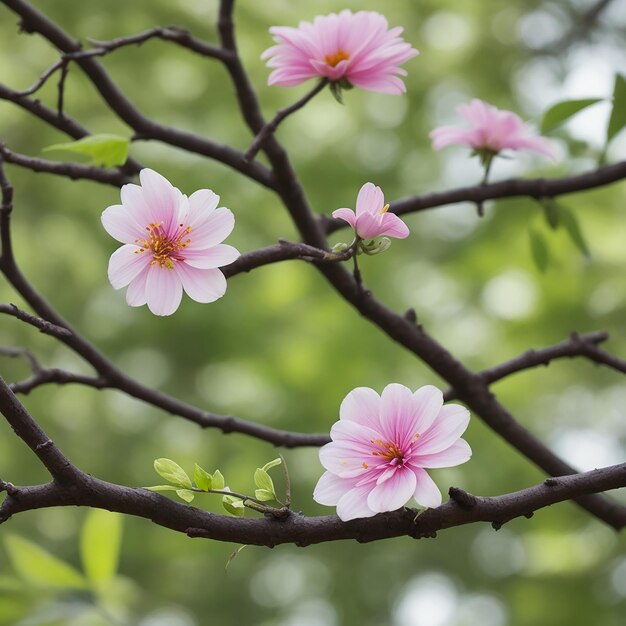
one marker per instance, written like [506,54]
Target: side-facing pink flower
[355,47]
[372,218]
[170,242]
[492,130]
[381,446]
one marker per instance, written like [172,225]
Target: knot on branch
[464,499]
[279,514]
[9,488]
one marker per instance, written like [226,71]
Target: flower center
[337,57]
[164,246]
[388,450]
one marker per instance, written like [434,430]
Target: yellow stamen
[385,209]
[165,251]
[390,450]
[337,57]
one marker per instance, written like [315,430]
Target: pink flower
[492,131]
[355,47]
[171,242]
[371,218]
[381,446]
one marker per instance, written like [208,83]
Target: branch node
[551,482]
[464,499]
[10,489]
[410,315]
[44,445]
[497,525]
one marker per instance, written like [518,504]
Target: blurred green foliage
[282,349]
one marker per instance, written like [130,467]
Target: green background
[282,349]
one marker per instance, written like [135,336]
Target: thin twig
[43,325]
[74,171]
[271,126]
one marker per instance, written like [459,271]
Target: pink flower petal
[368,226]
[161,196]
[427,493]
[134,201]
[459,452]
[119,222]
[353,504]
[357,437]
[200,205]
[330,489]
[370,199]
[428,401]
[346,215]
[393,493]
[398,413]
[201,285]
[213,229]
[342,460]
[217,256]
[393,226]
[136,293]
[450,424]
[361,405]
[125,264]
[164,290]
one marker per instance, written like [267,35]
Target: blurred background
[283,350]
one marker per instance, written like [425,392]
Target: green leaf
[335,89]
[40,568]
[551,212]
[234,506]
[185,494]
[217,480]
[274,463]
[617,121]
[571,225]
[202,478]
[539,250]
[264,495]
[561,112]
[162,488]
[100,542]
[263,481]
[172,472]
[106,150]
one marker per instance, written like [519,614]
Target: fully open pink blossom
[372,218]
[381,446]
[171,242]
[355,47]
[492,130]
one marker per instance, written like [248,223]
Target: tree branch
[33,20]
[28,431]
[282,251]
[73,171]
[535,188]
[303,531]
[470,387]
[43,325]
[175,34]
